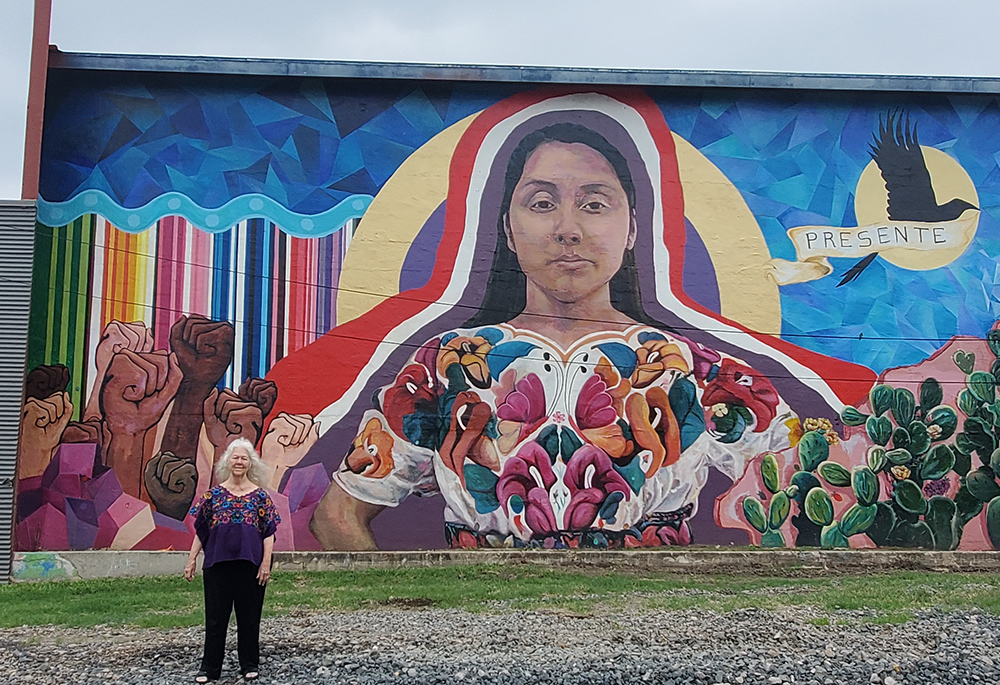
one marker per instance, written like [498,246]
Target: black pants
[229,584]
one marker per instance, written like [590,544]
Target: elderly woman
[235,523]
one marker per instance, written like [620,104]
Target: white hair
[258,473]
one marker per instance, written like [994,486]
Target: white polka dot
[174,203]
[358,203]
[90,199]
[212,220]
[133,221]
[256,204]
[307,224]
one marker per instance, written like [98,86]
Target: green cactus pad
[982,484]
[834,474]
[772,538]
[778,511]
[982,385]
[938,462]
[866,486]
[899,457]
[857,519]
[931,394]
[819,507]
[880,398]
[909,496]
[993,521]
[945,418]
[876,458]
[852,417]
[831,537]
[769,473]
[920,439]
[753,510]
[903,406]
[879,429]
[813,450]
[940,516]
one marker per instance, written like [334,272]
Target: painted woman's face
[570,222]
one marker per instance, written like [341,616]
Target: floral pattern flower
[469,353]
[521,412]
[590,477]
[371,453]
[466,436]
[412,392]
[743,386]
[656,357]
[523,489]
[596,417]
[655,427]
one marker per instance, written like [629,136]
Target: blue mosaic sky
[309,144]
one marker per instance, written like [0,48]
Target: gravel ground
[426,645]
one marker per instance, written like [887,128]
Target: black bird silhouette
[896,151]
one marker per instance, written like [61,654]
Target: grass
[166,602]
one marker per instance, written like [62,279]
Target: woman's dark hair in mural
[506,287]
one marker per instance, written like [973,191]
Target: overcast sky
[957,38]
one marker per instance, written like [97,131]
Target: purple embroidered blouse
[234,527]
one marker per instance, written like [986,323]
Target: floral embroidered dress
[234,527]
[604,444]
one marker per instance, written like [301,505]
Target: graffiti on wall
[475,317]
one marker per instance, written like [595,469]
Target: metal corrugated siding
[17,240]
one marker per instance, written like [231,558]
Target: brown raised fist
[89,431]
[263,393]
[228,416]
[204,349]
[42,425]
[137,388]
[171,482]
[45,381]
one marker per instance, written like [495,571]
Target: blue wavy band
[212,220]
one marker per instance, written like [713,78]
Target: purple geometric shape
[104,490]
[77,458]
[304,539]
[168,534]
[28,502]
[69,485]
[306,486]
[81,523]
[45,529]
[106,531]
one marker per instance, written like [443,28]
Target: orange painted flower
[655,427]
[656,357]
[795,431]
[470,354]
[618,387]
[371,454]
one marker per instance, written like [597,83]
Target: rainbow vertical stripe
[278,291]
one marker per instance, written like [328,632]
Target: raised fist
[137,388]
[263,393]
[171,482]
[45,381]
[204,349]
[228,416]
[89,431]
[117,336]
[288,439]
[42,425]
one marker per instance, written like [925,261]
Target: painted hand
[171,482]
[45,381]
[228,416]
[117,336]
[137,388]
[42,424]
[90,431]
[204,349]
[261,392]
[288,439]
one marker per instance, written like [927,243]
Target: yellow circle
[949,180]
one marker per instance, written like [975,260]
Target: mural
[557,318]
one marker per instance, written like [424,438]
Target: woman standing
[235,523]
